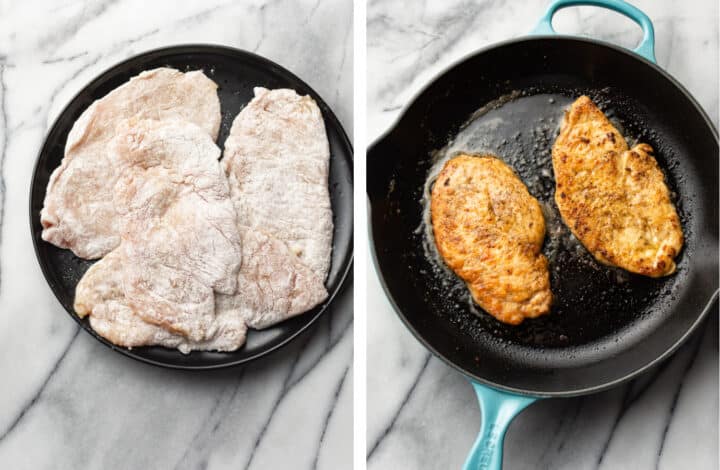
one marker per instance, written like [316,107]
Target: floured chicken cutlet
[78,212]
[277,161]
[489,230]
[100,294]
[614,199]
[273,283]
[180,244]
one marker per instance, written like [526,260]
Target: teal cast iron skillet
[236,72]
[600,332]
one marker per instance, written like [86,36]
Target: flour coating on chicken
[180,244]
[100,295]
[78,212]
[205,249]
[273,283]
[277,161]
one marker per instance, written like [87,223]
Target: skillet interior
[600,331]
[236,73]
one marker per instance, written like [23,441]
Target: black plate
[236,72]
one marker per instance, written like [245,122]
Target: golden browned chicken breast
[489,230]
[614,199]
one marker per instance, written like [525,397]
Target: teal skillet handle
[646,48]
[498,410]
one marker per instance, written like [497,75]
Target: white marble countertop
[66,401]
[424,415]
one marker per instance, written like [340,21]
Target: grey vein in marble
[36,395]
[401,406]
[3,149]
[331,409]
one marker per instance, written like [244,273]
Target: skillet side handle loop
[646,48]
[498,410]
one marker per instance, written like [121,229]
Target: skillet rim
[233,52]
[700,317]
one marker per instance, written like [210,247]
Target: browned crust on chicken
[489,230]
[614,199]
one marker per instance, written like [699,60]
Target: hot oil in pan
[590,300]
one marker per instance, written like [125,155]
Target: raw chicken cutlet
[180,244]
[100,295]
[273,283]
[277,160]
[176,279]
[489,230]
[614,199]
[78,211]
